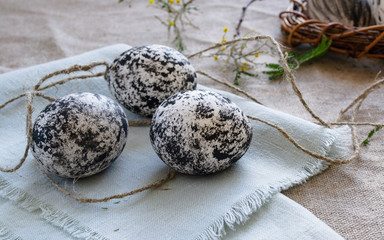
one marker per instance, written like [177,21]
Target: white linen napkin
[187,207]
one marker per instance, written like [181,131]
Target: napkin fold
[246,197]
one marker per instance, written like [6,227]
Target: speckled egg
[199,132]
[143,77]
[79,135]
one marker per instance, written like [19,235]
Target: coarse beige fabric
[349,198]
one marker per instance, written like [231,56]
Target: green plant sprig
[179,13]
[370,134]
[296,59]
[240,57]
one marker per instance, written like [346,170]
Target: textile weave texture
[188,207]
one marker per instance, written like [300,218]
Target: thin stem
[287,70]
[243,11]
[230,86]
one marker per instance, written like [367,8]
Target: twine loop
[36,91]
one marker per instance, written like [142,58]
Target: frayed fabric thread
[238,215]
[54,217]
[6,234]
[242,210]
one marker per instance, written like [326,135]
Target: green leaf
[178,41]
[273,66]
[248,74]
[274,72]
[319,51]
[295,59]
[237,76]
[370,134]
[365,142]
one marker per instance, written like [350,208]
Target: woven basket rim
[354,41]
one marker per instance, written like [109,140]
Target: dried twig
[243,11]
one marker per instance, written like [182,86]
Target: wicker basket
[356,42]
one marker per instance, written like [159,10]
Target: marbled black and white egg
[143,77]
[79,135]
[200,132]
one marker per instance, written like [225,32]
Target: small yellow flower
[171,1]
[150,1]
[245,63]
[256,55]
[178,1]
[216,58]
[242,69]
[171,23]
[223,48]
[225,29]
[224,40]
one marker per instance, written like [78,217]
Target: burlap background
[349,198]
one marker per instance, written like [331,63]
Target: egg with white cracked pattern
[79,135]
[143,77]
[200,132]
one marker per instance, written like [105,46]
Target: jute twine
[29,95]
[36,92]
[170,175]
[288,74]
